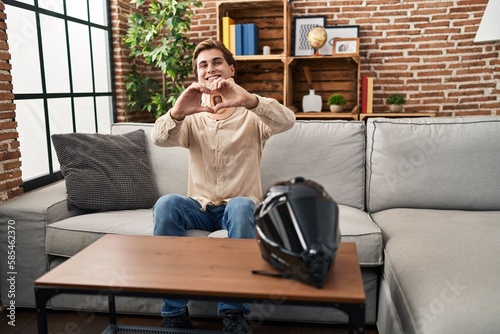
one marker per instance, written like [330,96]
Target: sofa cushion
[165,161]
[442,268]
[331,153]
[106,172]
[435,163]
[67,237]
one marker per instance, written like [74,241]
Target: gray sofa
[420,198]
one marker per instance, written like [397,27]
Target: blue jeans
[174,214]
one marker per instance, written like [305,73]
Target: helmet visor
[279,225]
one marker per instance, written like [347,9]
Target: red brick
[7,106]
[7,125]
[7,114]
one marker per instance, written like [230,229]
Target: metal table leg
[112,308]
[356,315]
[42,296]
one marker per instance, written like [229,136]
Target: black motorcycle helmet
[297,230]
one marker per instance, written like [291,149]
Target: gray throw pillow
[106,172]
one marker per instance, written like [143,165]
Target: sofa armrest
[26,217]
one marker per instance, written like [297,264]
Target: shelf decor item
[316,37]
[336,102]
[396,102]
[333,32]
[302,26]
[345,47]
[366,94]
[311,102]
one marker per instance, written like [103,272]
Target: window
[61,76]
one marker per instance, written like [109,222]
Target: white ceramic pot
[395,107]
[336,108]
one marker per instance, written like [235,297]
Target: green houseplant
[336,102]
[157,37]
[396,102]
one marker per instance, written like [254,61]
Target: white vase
[311,102]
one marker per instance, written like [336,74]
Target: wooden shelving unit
[329,75]
[271,16]
[326,115]
[397,114]
[355,116]
[263,75]
[281,75]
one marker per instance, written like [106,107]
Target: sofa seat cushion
[69,236]
[357,226]
[442,269]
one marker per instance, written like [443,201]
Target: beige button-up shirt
[225,155]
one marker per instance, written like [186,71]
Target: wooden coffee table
[195,268]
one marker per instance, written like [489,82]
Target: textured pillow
[106,172]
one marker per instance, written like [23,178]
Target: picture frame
[349,31]
[302,25]
[345,47]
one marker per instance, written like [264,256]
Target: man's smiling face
[211,65]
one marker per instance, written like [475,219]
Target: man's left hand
[233,95]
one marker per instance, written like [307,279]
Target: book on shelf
[226,23]
[232,38]
[369,98]
[250,39]
[364,81]
[238,39]
[366,94]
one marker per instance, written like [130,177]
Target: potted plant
[157,35]
[336,102]
[395,102]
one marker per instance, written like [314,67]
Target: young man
[224,127]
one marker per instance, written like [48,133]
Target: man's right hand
[189,102]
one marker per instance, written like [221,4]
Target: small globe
[316,37]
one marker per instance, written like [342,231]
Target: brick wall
[122,64]
[10,172]
[424,49]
